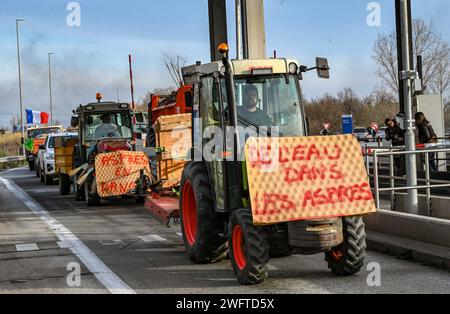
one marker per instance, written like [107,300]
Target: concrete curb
[406,236]
[406,249]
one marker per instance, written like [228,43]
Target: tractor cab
[101,125]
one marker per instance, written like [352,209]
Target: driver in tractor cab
[250,110]
[109,130]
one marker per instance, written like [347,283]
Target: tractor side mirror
[323,70]
[74,122]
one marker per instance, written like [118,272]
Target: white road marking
[108,279]
[152,238]
[11,170]
[27,247]
[113,242]
[63,245]
[179,234]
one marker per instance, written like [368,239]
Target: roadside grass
[10,147]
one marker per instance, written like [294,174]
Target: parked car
[46,157]
[362,134]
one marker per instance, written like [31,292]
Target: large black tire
[64,184]
[202,227]
[249,248]
[31,165]
[348,258]
[93,199]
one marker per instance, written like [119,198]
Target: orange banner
[117,172]
[307,178]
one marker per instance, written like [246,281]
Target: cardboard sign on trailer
[117,172]
[307,178]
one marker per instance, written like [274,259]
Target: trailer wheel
[31,165]
[348,258]
[201,225]
[249,248]
[93,199]
[64,184]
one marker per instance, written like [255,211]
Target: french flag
[37,117]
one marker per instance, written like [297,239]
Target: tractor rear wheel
[64,184]
[249,248]
[201,225]
[348,258]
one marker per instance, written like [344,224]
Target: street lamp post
[20,87]
[50,85]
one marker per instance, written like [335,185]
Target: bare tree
[174,64]
[429,44]
[329,109]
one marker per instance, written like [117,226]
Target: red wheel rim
[337,255]
[189,211]
[239,248]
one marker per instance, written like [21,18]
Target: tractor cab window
[209,103]
[101,126]
[270,101]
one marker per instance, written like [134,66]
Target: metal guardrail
[390,153]
[12,159]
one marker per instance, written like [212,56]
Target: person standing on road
[426,136]
[397,136]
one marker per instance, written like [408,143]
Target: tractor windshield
[270,101]
[107,125]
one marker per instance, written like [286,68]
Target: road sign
[347,124]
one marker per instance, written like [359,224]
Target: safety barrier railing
[12,159]
[391,153]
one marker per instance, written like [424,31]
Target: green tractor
[103,127]
[215,204]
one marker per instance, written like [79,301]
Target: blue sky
[93,58]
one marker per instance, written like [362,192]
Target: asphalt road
[120,248]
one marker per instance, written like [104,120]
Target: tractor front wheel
[249,248]
[348,258]
[201,225]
